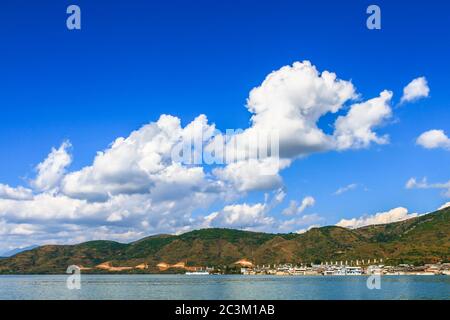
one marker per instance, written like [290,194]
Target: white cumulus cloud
[445,205]
[393,215]
[416,89]
[355,129]
[301,231]
[139,164]
[295,223]
[19,193]
[434,139]
[134,186]
[242,216]
[52,169]
[290,102]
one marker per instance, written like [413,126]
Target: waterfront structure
[345,268]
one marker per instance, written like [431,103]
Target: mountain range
[15,251]
[420,240]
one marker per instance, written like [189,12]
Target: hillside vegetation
[425,239]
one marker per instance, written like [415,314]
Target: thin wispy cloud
[297,208]
[345,189]
[424,184]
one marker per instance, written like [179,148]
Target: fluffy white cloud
[446,205]
[139,164]
[289,104]
[355,129]
[257,217]
[416,89]
[251,174]
[434,139]
[295,208]
[394,215]
[22,235]
[58,218]
[295,223]
[19,193]
[135,187]
[132,188]
[52,169]
[17,229]
[300,231]
[414,184]
[345,189]
[291,100]
[242,216]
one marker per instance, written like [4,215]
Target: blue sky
[135,60]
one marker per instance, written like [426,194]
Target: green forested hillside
[419,240]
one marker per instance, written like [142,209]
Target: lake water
[223,287]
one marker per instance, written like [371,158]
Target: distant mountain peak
[15,251]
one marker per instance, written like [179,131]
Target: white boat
[197,273]
[353,271]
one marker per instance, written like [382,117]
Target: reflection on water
[223,287]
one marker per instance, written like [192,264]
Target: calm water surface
[223,287]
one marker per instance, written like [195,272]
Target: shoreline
[211,275]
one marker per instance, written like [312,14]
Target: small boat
[197,273]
